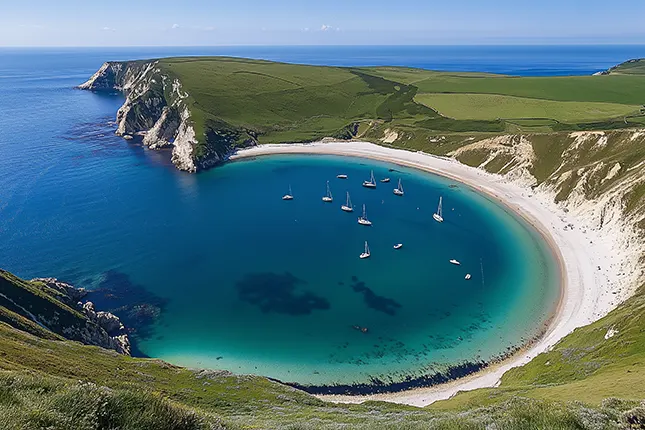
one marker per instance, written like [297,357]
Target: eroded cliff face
[597,176]
[157,110]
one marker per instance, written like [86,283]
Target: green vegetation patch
[493,106]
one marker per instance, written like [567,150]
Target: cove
[254,284]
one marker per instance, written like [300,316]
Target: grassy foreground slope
[60,384]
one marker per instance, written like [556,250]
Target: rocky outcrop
[157,110]
[112,334]
[70,295]
[96,328]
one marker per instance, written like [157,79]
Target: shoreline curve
[583,296]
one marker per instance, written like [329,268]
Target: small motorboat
[455,262]
[385,180]
[366,252]
[398,246]
[289,195]
[467,277]
[341,176]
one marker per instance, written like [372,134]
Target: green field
[492,106]
[233,100]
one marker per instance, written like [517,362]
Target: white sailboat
[438,216]
[328,198]
[371,183]
[363,219]
[289,195]
[347,207]
[366,252]
[399,190]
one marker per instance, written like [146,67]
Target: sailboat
[289,195]
[347,207]
[371,183]
[328,197]
[438,216]
[366,253]
[399,190]
[363,219]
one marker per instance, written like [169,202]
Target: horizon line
[323,45]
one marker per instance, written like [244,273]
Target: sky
[320,22]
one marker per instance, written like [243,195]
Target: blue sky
[327,22]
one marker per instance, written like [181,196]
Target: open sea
[214,270]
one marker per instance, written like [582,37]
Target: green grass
[492,106]
[621,89]
[632,67]
[54,384]
[235,101]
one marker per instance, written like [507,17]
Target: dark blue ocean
[215,270]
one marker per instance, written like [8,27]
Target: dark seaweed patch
[373,300]
[380,386]
[137,307]
[273,292]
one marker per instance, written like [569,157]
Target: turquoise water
[215,270]
[259,285]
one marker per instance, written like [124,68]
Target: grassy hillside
[493,106]
[59,384]
[631,67]
[233,99]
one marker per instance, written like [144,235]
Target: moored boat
[438,216]
[371,183]
[289,195]
[362,220]
[398,246]
[366,252]
[341,176]
[455,262]
[347,207]
[328,197]
[399,189]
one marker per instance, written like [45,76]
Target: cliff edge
[159,112]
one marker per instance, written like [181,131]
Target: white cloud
[108,29]
[175,26]
[326,27]
[305,29]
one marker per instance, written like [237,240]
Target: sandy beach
[589,260]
